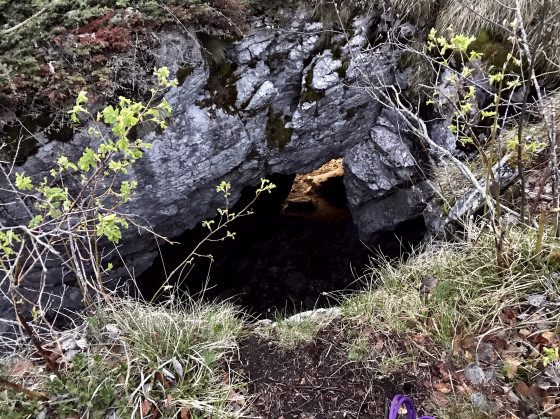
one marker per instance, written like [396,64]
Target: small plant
[551,354]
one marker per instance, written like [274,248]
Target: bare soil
[325,379]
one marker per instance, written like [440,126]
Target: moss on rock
[277,134]
[222,88]
[311,95]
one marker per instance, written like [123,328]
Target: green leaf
[124,101]
[162,74]
[208,224]
[127,118]
[551,355]
[23,182]
[88,160]
[119,129]
[432,34]
[63,162]
[82,97]
[6,241]
[110,114]
[487,114]
[38,219]
[108,226]
[498,77]
[55,194]
[224,187]
[462,42]
[123,143]
[475,55]
[165,106]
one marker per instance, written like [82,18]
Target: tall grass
[470,291]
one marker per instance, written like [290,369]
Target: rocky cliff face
[286,100]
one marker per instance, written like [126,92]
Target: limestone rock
[265,128]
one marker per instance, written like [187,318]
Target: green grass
[483,15]
[290,332]
[132,350]
[471,291]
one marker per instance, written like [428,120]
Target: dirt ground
[354,372]
[338,375]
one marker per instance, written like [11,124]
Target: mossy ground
[77,44]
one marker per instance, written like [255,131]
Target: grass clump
[481,16]
[137,359]
[300,329]
[455,286]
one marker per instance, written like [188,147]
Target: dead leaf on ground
[443,371]
[508,316]
[185,413]
[145,408]
[551,408]
[445,388]
[368,331]
[499,343]
[439,398]
[467,341]
[225,377]
[511,365]
[379,344]
[457,344]
[524,333]
[535,393]
[419,339]
[547,338]
[523,389]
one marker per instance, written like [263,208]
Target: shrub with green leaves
[78,202]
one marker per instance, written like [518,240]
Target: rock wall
[286,100]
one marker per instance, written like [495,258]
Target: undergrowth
[131,358]
[64,46]
[456,286]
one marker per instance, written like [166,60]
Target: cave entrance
[292,250]
[320,196]
[298,245]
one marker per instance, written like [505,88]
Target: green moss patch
[184,72]
[222,88]
[277,134]
[312,95]
[63,49]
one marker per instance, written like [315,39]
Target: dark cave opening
[286,256]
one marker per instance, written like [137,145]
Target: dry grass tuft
[455,285]
[163,361]
[470,17]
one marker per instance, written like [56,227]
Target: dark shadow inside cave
[285,257]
